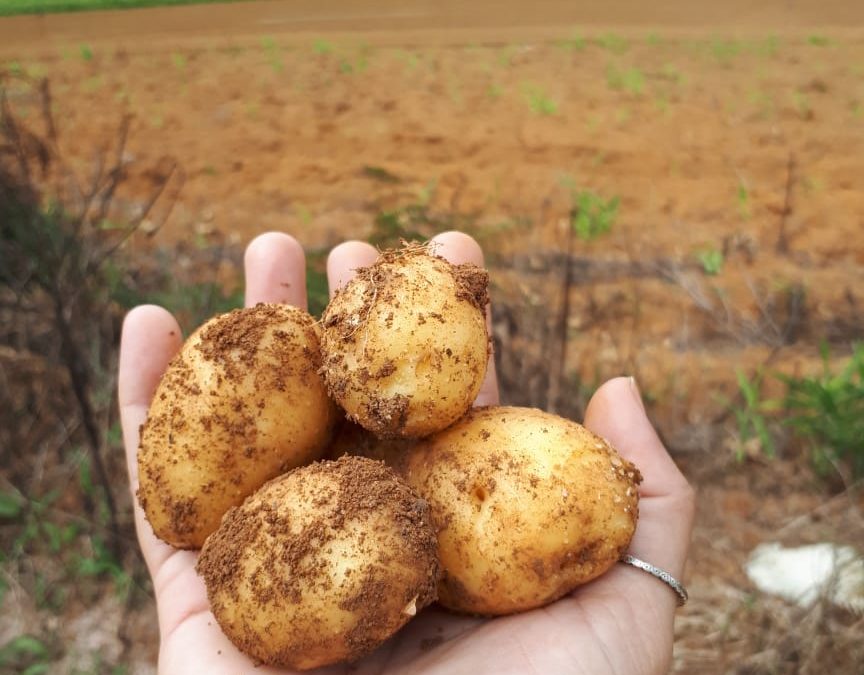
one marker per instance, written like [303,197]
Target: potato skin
[528,505]
[240,403]
[405,343]
[321,565]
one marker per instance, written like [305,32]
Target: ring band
[663,575]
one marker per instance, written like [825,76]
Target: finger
[150,339]
[459,248]
[275,268]
[344,261]
[617,413]
[667,503]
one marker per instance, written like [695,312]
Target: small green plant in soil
[767,47]
[672,74]
[323,47]
[539,101]
[613,43]
[630,80]
[494,91]
[592,216]
[179,61]
[828,411]
[724,51]
[751,415]
[742,196]
[574,43]
[711,261]
[819,41]
[802,105]
[25,654]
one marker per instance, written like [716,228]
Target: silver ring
[663,575]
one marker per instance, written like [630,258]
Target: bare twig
[559,354]
[782,246]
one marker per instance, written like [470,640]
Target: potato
[405,344]
[241,403]
[321,565]
[528,506]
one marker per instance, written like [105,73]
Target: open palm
[619,623]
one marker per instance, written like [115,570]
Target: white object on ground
[807,573]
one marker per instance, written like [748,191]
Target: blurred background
[666,190]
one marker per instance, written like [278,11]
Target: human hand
[620,623]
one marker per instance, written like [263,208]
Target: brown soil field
[734,128]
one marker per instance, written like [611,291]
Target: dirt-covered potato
[241,403]
[528,506]
[405,344]
[322,564]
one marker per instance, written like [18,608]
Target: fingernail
[634,389]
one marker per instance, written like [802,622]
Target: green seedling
[630,80]
[323,47]
[742,196]
[802,104]
[820,41]
[574,43]
[410,59]
[767,47]
[711,261]
[506,55]
[725,50]
[623,115]
[613,43]
[86,52]
[762,101]
[592,216]
[273,54]
[304,214]
[828,411]
[672,74]
[101,563]
[539,101]
[11,505]
[25,654]
[358,65]
[425,193]
[122,95]
[751,415]
[179,61]
[94,83]
[14,68]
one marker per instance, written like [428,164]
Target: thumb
[667,502]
